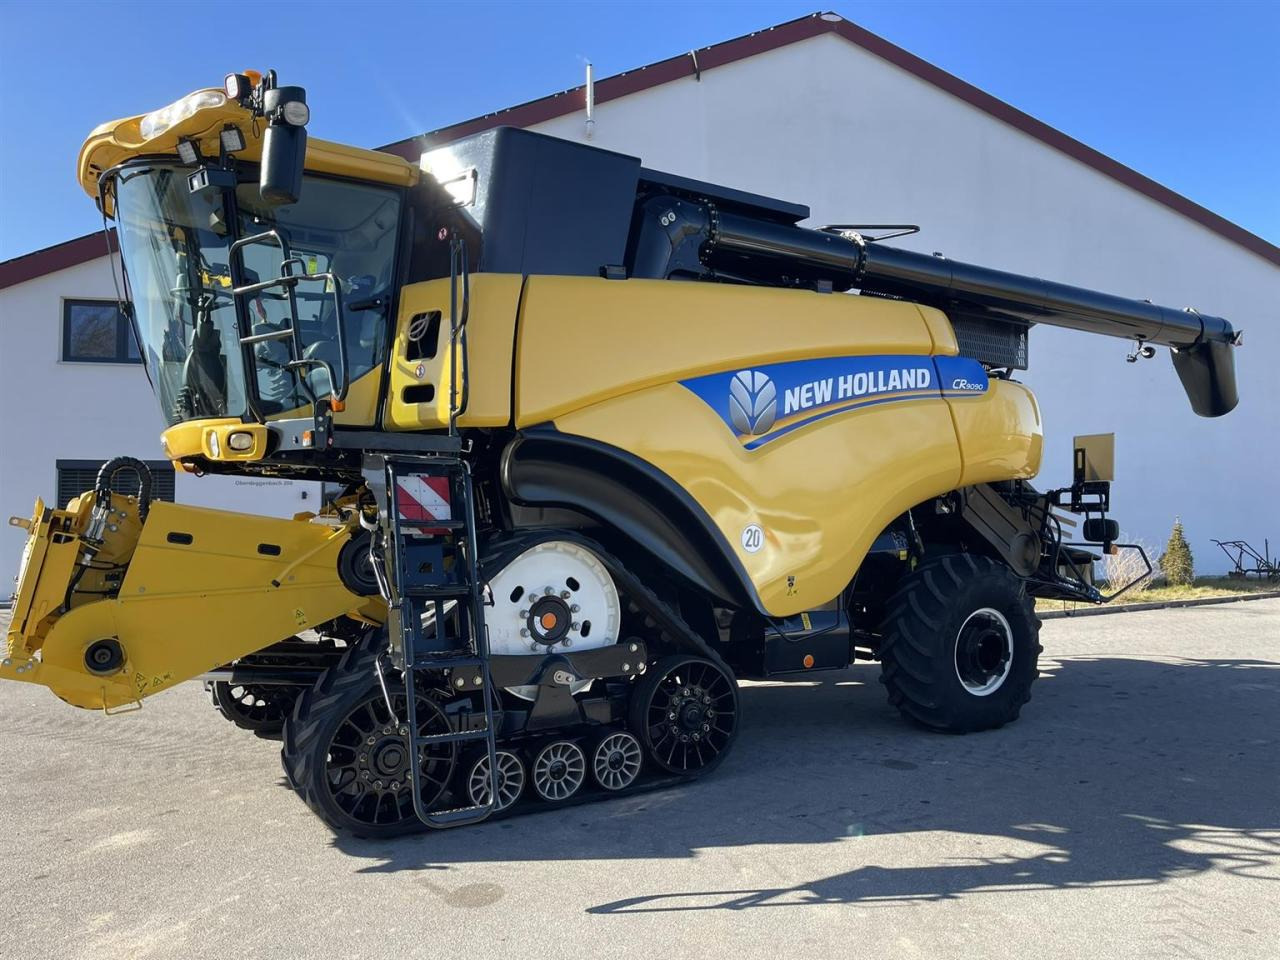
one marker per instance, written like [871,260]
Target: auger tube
[747,246]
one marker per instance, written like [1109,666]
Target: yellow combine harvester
[602,438]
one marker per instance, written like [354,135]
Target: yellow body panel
[584,340]
[1001,436]
[490,339]
[119,140]
[820,493]
[185,608]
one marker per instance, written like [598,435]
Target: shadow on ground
[1121,772]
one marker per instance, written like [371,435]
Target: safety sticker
[421,497]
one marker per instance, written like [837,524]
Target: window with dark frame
[77,476]
[96,331]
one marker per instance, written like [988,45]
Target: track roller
[511,777]
[616,760]
[685,713]
[559,770]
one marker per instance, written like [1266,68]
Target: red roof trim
[708,58]
[55,258]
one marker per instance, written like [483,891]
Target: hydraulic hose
[102,487]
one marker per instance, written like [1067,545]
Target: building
[822,112]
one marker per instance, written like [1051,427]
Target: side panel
[418,393]
[1001,436]
[801,424]
[584,340]
[819,495]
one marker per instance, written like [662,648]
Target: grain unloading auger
[596,440]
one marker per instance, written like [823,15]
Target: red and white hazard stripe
[420,497]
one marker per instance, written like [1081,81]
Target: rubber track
[356,667]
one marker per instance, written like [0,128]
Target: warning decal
[420,497]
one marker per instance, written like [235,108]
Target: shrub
[1123,566]
[1176,563]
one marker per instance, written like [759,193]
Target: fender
[543,467]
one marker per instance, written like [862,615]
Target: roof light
[232,139]
[159,121]
[188,152]
[237,86]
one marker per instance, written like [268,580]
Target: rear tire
[960,645]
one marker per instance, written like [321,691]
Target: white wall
[51,410]
[828,124]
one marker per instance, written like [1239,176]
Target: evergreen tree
[1176,563]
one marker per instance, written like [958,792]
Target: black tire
[315,747]
[260,708]
[960,645]
[679,746]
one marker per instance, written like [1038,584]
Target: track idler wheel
[511,777]
[616,760]
[685,712]
[346,756]
[559,770]
[261,708]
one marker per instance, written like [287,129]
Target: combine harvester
[598,439]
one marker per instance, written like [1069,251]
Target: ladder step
[431,524]
[458,815]
[445,660]
[455,736]
[449,592]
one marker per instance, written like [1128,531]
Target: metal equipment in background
[1246,561]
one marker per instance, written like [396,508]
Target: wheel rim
[691,716]
[559,770]
[254,706]
[617,760]
[984,652]
[510,780]
[367,770]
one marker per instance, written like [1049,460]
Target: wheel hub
[984,652]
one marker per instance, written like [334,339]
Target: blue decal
[762,403]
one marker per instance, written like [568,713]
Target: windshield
[175,247]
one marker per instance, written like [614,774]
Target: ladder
[429,542]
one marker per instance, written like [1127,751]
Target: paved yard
[1134,811]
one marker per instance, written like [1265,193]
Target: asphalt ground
[1133,811]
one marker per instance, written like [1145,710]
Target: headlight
[158,121]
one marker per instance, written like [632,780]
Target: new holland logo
[753,402]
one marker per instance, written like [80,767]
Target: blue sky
[1184,92]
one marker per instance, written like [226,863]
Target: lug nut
[475,681]
[635,648]
[459,683]
[364,757]
[671,716]
[377,784]
[568,642]
[574,625]
[564,594]
[574,608]
[403,730]
[524,614]
[626,668]
[371,741]
[524,632]
[533,647]
[395,784]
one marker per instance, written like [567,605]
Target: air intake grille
[1000,343]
